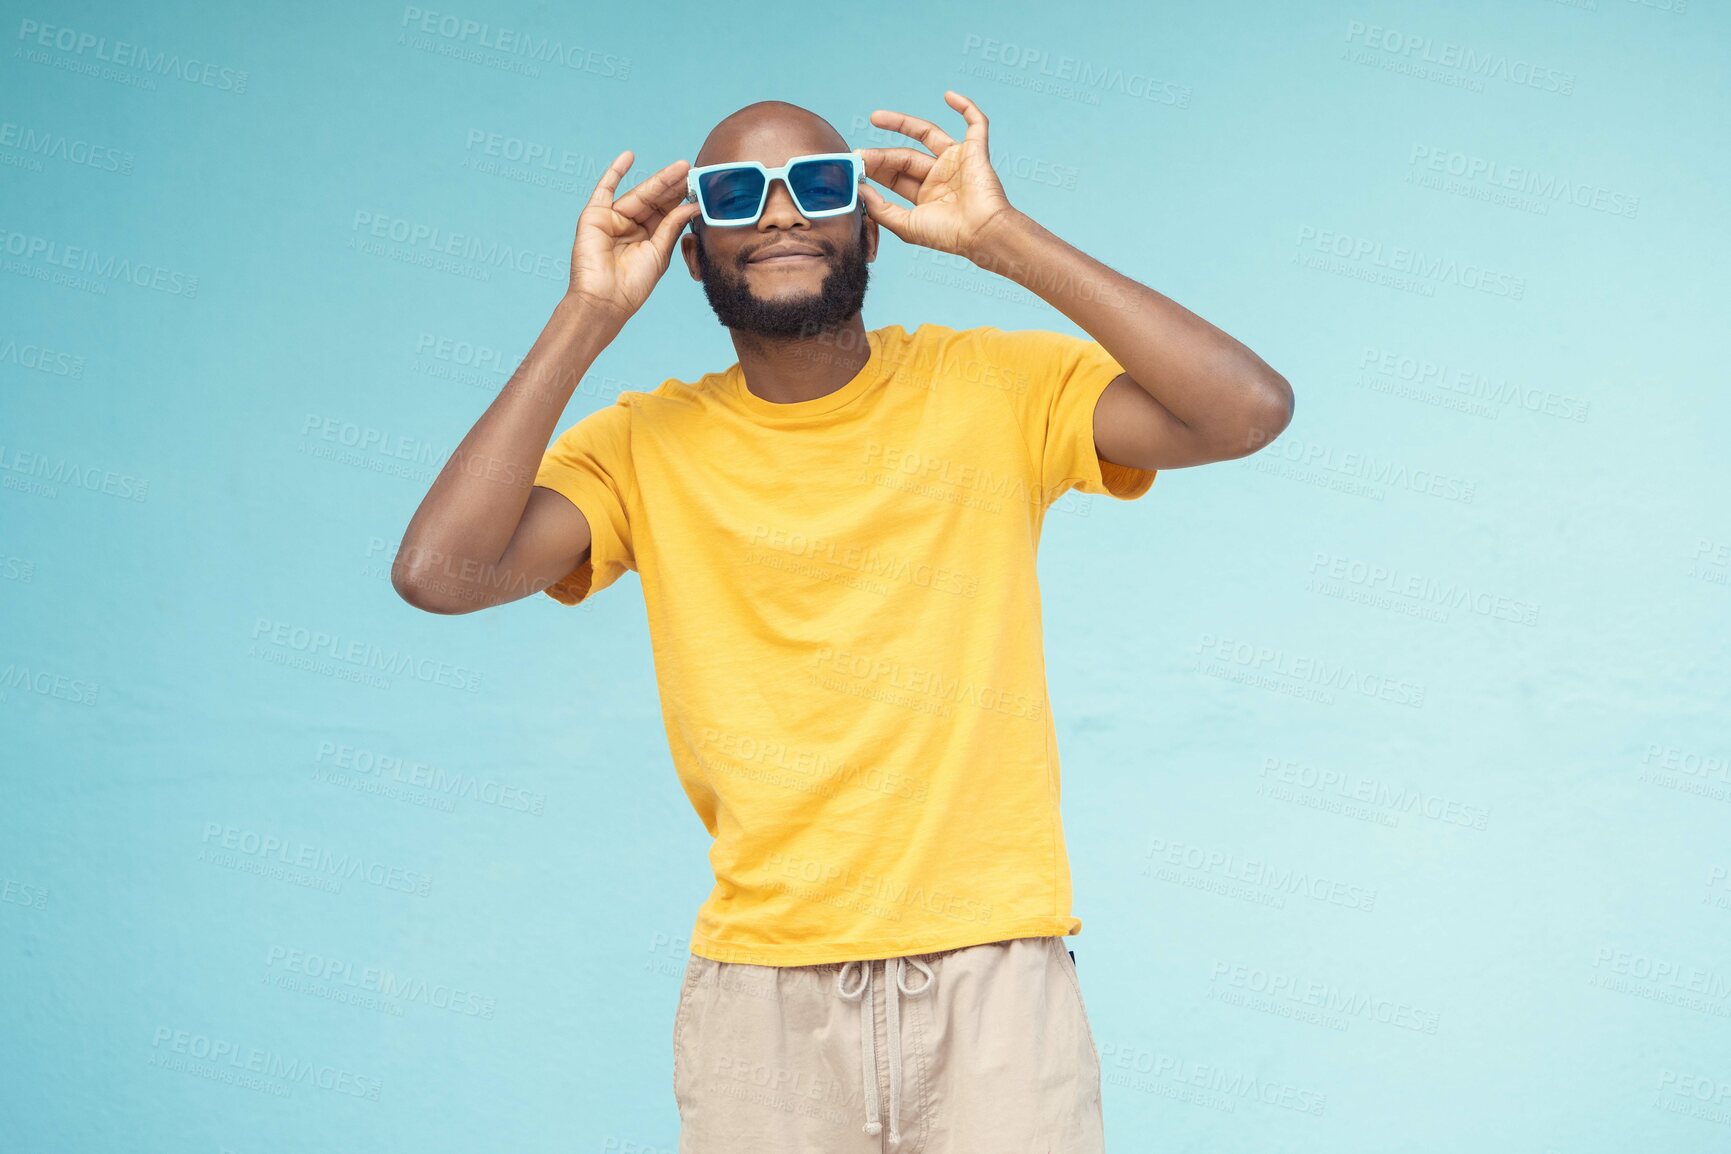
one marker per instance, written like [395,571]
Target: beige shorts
[984,1049]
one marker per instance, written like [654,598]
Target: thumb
[668,230]
[892,216]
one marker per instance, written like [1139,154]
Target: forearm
[460,531]
[1214,384]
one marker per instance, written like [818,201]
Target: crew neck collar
[793,412]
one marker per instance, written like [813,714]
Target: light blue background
[1536,959]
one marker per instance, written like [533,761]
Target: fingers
[923,131]
[902,170]
[670,227]
[970,112]
[892,216]
[603,194]
[930,134]
[654,195]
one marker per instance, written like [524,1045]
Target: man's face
[794,296]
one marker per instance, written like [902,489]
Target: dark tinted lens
[821,184]
[731,194]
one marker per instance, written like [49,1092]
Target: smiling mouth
[788,259]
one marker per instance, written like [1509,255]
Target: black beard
[837,300]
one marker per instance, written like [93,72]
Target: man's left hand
[956,195]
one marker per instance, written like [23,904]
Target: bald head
[769,132]
[791,298]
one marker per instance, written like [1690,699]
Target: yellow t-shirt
[845,624]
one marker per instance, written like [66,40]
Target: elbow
[420,592]
[411,589]
[1266,412]
[1269,413]
[1274,408]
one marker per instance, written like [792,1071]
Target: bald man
[836,540]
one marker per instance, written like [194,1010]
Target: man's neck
[788,369]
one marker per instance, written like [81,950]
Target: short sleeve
[1059,381]
[590,465]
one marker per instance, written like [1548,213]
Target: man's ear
[688,250]
[869,237]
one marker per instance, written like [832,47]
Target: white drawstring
[892,1015]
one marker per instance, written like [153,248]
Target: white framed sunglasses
[732,194]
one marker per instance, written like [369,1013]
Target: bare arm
[1190,393]
[485,534]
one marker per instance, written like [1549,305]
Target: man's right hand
[486,533]
[623,246]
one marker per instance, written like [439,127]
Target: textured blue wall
[1397,763]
